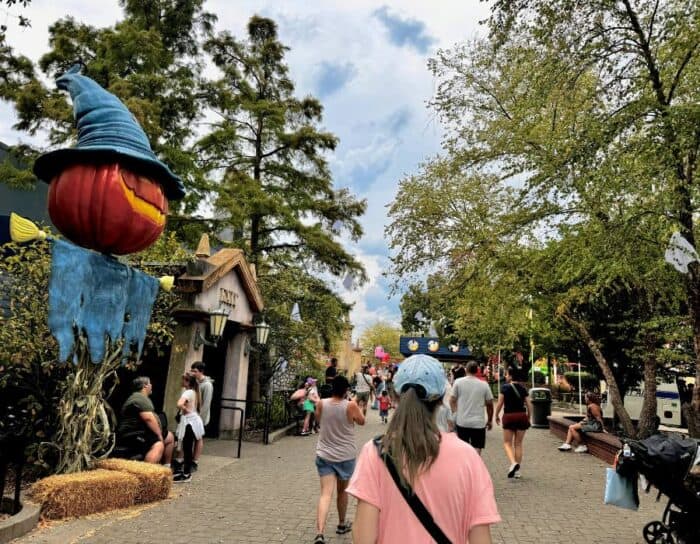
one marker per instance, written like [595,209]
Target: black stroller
[672,465]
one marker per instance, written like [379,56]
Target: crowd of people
[403,480]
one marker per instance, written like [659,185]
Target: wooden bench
[603,445]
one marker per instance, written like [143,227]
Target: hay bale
[155,481]
[83,493]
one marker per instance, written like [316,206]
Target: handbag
[620,490]
[419,509]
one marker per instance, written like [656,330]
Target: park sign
[433,346]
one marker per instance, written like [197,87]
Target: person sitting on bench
[139,433]
[592,424]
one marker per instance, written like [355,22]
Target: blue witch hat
[107,131]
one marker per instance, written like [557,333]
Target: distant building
[348,353]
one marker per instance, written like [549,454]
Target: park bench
[603,445]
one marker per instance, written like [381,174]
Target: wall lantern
[262,331]
[217,324]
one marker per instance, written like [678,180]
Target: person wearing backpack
[515,402]
[415,483]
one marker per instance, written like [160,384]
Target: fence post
[266,431]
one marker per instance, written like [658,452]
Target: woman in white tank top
[336,452]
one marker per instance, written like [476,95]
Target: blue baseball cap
[423,371]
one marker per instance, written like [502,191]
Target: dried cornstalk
[85,432]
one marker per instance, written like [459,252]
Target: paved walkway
[270,496]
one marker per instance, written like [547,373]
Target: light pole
[580,408]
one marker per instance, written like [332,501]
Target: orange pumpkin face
[107,208]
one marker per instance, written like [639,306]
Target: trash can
[541,399]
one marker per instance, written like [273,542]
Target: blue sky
[366,61]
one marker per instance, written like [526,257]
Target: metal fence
[13,441]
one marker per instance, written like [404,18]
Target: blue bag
[621,491]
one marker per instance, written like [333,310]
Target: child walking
[384,405]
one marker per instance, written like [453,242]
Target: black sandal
[319,539]
[345,528]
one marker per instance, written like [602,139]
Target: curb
[281,433]
[21,523]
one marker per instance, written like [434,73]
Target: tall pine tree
[275,190]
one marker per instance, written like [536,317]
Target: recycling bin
[541,399]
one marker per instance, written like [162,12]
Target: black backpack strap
[419,509]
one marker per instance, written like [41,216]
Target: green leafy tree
[381,333]
[299,341]
[151,60]
[588,111]
[632,69]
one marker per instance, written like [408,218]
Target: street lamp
[262,330]
[217,324]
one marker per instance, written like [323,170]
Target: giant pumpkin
[107,208]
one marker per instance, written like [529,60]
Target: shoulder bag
[419,509]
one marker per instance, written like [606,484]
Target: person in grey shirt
[206,390]
[470,396]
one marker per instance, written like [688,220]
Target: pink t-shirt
[456,490]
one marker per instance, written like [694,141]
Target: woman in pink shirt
[447,475]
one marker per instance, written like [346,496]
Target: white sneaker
[513,469]
[581,449]
[564,447]
[517,474]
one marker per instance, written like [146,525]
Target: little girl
[190,429]
[384,405]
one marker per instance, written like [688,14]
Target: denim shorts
[342,469]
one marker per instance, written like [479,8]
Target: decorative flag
[680,253]
[349,281]
[432,331]
[296,314]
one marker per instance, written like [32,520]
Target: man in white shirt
[470,396]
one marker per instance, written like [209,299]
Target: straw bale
[83,493]
[155,481]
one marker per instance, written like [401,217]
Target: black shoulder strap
[419,509]
[515,390]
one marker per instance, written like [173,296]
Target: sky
[366,62]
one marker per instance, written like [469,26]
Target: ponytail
[412,438]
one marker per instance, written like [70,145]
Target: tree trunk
[255,226]
[647,418]
[694,307]
[613,391]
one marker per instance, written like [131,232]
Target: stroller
[672,465]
